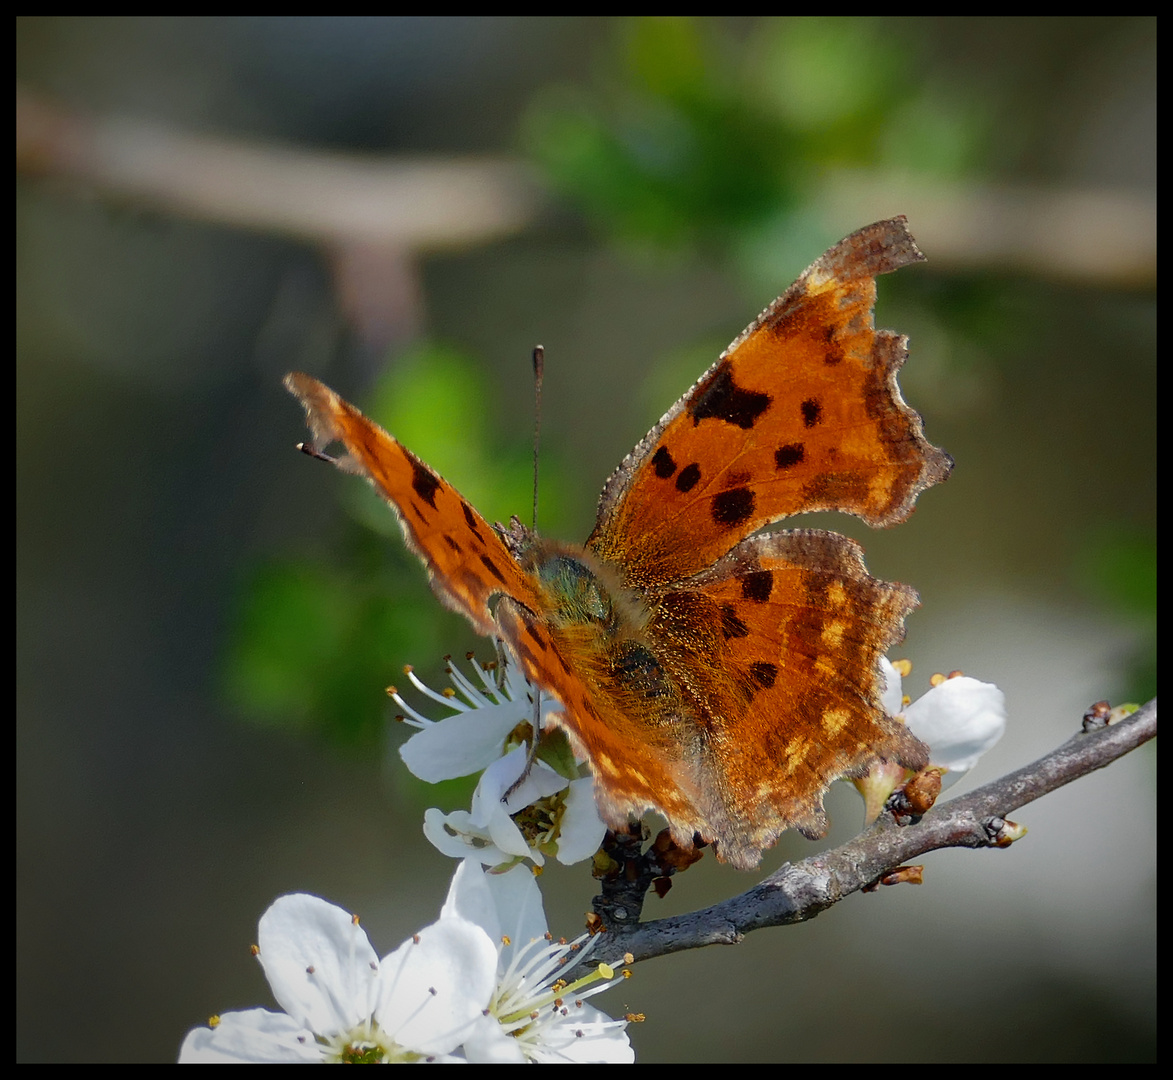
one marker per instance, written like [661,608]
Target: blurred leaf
[698,134]
[1120,570]
[671,155]
[831,80]
[313,647]
[666,55]
[437,402]
[433,399]
[293,615]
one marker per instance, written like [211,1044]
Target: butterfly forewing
[467,562]
[801,413]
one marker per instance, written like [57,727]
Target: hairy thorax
[601,627]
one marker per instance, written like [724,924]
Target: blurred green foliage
[1118,569]
[701,132]
[314,646]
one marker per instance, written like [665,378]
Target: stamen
[411,716]
[470,693]
[427,691]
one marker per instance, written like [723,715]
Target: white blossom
[537,1012]
[478,733]
[959,719]
[516,814]
[342,1004]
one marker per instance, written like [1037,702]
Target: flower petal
[488,1044]
[960,720]
[892,699]
[469,898]
[250,1036]
[587,1036]
[505,834]
[489,798]
[455,835]
[581,830]
[436,985]
[319,963]
[518,902]
[462,744]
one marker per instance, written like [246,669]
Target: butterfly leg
[531,752]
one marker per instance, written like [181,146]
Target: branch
[800,891]
[420,204]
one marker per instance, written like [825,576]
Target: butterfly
[719,675]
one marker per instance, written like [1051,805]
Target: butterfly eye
[578,595]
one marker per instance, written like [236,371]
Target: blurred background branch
[417,206]
[419,203]
[372,216]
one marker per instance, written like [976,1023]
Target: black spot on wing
[688,477]
[757,586]
[451,542]
[812,411]
[662,463]
[492,568]
[424,482]
[759,676]
[533,632]
[470,519]
[722,399]
[763,674]
[834,354]
[786,457]
[733,507]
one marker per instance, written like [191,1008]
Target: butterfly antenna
[539,371]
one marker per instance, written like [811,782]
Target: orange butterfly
[720,678]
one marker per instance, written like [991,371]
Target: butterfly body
[722,678]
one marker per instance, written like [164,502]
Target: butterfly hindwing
[783,683]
